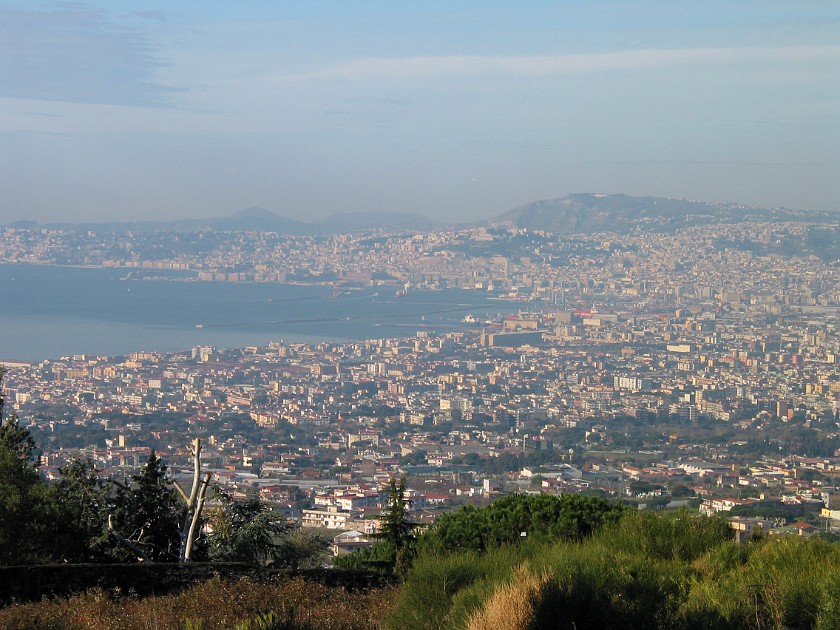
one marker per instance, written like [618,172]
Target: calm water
[50,312]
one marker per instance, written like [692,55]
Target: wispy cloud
[454,66]
[76,55]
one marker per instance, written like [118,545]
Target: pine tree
[396,530]
[246,531]
[147,514]
[86,501]
[27,505]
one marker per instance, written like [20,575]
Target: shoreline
[55,312]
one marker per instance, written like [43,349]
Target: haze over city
[453,110]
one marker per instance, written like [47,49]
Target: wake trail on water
[347,318]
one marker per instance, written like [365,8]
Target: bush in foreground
[649,570]
[214,605]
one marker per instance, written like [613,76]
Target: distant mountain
[580,212]
[256,219]
[587,213]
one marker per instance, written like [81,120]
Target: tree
[27,505]
[301,549]
[544,518]
[245,531]
[396,548]
[414,458]
[86,501]
[148,507]
[194,504]
[377,558]
[396,530]
[146,515]
[657,503]
[18,441]
[13,437]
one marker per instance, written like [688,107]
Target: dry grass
[512,606]
[214,605]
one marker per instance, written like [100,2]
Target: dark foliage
[28,509]
[397,531]
[148,513]
[514,518]
[86,501]
[246,531]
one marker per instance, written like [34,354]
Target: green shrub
[679,535]
[595,586]
[675,570]
[436,583]
[542,518]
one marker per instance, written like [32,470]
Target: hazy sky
[450,109]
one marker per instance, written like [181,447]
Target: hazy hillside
[585,212]
[579,212]
[256,219]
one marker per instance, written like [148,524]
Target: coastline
[61,310]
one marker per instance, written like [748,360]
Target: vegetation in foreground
[84,518]
[604,566]
[646,571]
[214,605]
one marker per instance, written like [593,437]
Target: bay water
[47,312]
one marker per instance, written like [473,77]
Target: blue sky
[454,110]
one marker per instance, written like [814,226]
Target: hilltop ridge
[593,212]
[577,212]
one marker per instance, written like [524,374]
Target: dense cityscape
[419,315]
[700,367]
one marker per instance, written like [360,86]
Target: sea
[49,312]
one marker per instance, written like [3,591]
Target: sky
[455,110]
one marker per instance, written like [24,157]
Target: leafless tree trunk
[195,503]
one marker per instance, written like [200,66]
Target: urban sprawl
[697,368]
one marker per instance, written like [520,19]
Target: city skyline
[451,111]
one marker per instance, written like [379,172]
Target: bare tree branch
[126,542]
[196,452]
[181,491]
